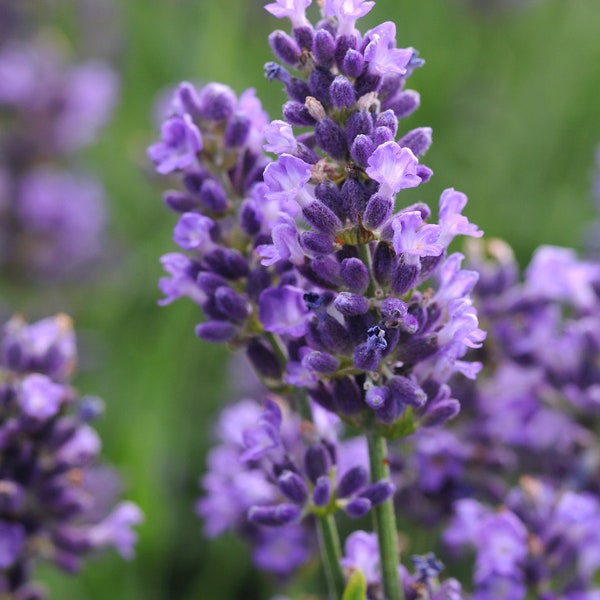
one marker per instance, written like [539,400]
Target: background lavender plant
[57,499]
[52,216]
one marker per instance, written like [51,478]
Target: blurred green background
[513,97]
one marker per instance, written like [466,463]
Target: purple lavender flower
[361,552]
[381,53]
[543,535]
[181,141]
[62,219]
[50,479]
[413,238]
[394,168]
[347,12]
[355,257]
[287,178]
[240,479]
[294,10]
[52,219]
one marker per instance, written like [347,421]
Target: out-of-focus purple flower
[117,530]
[284,550]
[46,346]
[41,398]
[12,537]
[90,98]
[51,486]
[543,535]
[501,546]
[250,107]
[557,273]
[52,219]
[361,551]
[62,217]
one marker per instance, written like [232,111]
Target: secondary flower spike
[51,507]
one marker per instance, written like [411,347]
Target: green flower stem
[329,543]
[384,521]
[277,348]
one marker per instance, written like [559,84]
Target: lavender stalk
[384,521]
[329,543]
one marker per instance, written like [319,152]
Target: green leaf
[404,426]
[357,587]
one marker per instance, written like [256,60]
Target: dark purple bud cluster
[288,470]
[308,481]
[50,475]
[52,217]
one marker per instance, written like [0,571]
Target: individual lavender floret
[53,501]
[361,552]
[52,220]
[544,539]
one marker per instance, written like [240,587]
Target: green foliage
[356,588]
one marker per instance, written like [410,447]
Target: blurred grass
[513,102]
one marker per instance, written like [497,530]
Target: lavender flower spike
[50,476]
